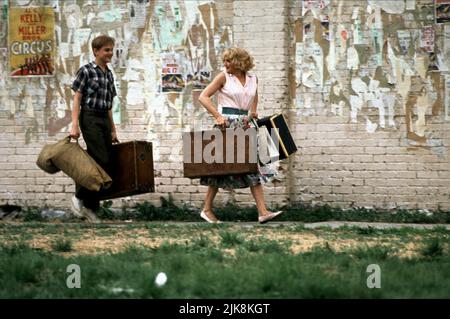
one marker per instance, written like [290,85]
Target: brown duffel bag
[75,162]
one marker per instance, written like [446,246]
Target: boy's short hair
[101,41]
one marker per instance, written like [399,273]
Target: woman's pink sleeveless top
[234,94]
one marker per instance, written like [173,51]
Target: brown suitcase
[195,168]
[131,170]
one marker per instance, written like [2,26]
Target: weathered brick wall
[385,146]
[382,139]
[261,28]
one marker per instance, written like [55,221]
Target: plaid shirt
[96,86]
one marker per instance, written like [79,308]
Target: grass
[207,273]
[230,239]
[221,261]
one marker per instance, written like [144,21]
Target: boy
[94,93]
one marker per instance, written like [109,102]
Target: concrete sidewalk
[338,224]
[330,224]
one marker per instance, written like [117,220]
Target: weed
[201,242]
[433,248]
[366,231]
[62,245]
[105,212]
[264,246]
[230,239]
[33,214]
[372,253]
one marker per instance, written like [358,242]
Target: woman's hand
[221,121]
[75,132]
[114,137]
[253,115]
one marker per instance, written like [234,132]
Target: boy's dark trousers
[96,129]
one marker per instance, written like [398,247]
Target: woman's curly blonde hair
[240,59]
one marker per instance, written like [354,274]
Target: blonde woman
[237,96]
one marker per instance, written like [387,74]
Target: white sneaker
[77,206]
[90,216]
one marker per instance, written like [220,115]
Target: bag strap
[254,122]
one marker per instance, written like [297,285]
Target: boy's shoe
[265,218]
[82,212]
[77,206]
[209,217]
[90,216]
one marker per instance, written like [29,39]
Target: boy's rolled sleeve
[114,93]
[79,83]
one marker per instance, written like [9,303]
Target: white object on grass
[161,279]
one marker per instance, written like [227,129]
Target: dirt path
[113,238]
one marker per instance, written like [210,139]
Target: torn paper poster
[441,63]
[389,100]
[172,83]
[359,87]
[135,93]
[392,7]
[341,42]
[137,13]
[352,59]
[377,102]
[298,62]
[307,32]
[120,57]
[427,39]
[64,50]
[442,11]
[131,75]
[312,72]
[421,106]
[371,127]
[447,97]
[3,63]
[433,62]
[315,6]
[115,14]
[31,41]
[377,38]
[326,29]
[82,35]
[3,24]
[337,99]
[356,104]
[116,110]
[404,40]
[338,109]
[171,63]
[199,80]
[446,51]
[358,36]
[168,30]
[331,57]
[355,13]
[410,5]
[29,110]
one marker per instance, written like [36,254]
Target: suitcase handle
[69,138]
